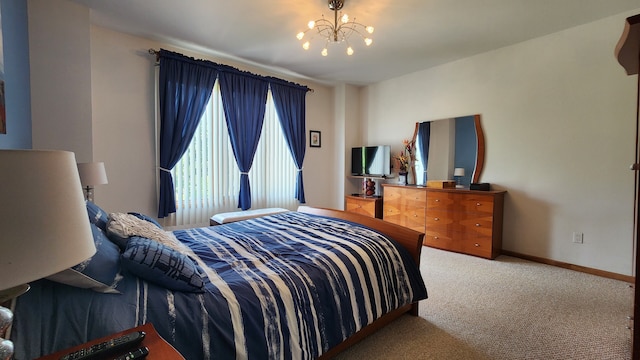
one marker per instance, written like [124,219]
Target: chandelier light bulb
[305,45]
[368,41]
[345,18]
[311,24]
[369,29]
[300,35]
[349,51]
[324,52]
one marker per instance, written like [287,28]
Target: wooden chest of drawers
[405,205]
[465,221]
[370,206]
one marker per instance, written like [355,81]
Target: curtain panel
[184,90]
[244,99]
[290,105]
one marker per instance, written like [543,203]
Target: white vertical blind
[207,179]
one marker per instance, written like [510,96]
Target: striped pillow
[162,265]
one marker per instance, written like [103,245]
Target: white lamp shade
[92,173]
[458,172]
[44,225]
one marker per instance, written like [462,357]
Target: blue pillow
[97,215]
[147,218]
[162,265]
[100,273]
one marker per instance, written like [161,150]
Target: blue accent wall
[15,37]
[466,145]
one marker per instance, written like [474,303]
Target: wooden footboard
[409,239]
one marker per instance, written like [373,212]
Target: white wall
[123,118]
[558,115]
[60,77]
[348,126]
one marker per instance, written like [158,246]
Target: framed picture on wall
[314,138]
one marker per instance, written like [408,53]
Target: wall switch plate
[578,238]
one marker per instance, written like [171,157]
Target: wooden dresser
[459,220]
[365,205]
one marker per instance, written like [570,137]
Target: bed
[302,284]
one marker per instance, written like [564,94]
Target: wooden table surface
[159,349]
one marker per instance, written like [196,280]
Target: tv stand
[372,176]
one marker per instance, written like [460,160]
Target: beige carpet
[507,308]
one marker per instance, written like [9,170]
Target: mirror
[453,144]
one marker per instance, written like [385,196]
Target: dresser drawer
[365,206]
[480,246]
[476,203]
[436,217]
[405,195]
[451,201]
[444,238]
[440,241]
[407,216]
[444,201]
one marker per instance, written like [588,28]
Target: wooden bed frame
[409,239]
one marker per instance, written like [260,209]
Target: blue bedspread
[286,286]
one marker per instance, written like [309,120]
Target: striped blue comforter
[286,286]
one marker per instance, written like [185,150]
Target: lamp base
[6,346]
[6,349]
[88,193]
[6,318]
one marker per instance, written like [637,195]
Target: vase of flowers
[403,161]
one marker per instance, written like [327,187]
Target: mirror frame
[480,157]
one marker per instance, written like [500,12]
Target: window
[207,179]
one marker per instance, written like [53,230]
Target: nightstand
[365,205]
[159,349]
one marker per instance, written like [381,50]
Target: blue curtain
[244,98]
[290,104]
[185,87]
[424,132]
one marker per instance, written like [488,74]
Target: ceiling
[410,35]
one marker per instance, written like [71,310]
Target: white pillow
[126,225]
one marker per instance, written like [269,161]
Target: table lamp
[43,220]
[91,174]
[457,174]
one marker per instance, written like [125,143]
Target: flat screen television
[371,160]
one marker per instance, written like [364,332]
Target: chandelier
[336,32]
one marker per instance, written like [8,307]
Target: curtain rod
[157,54]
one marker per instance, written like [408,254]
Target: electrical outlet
[578,237]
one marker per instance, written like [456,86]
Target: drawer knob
[437,200]
[415,215]
[477,225]
[477,245]
[436,219]
[477,204]
[436,237]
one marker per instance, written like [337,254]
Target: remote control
[106,347]
[135,354]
